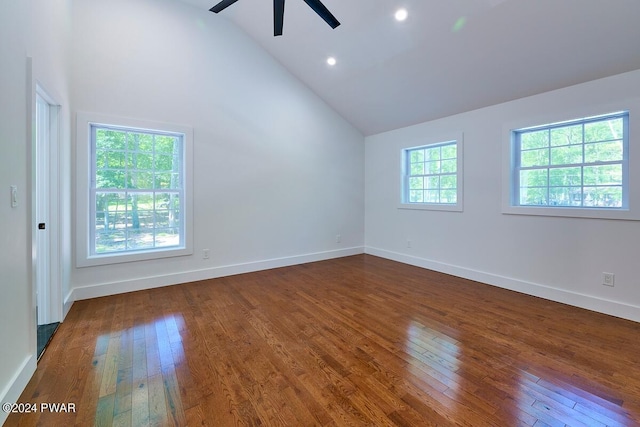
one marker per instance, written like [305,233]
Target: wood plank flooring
[348,342]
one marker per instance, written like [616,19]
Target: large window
[577,164]
[137,189]
[431,176]
[137,197]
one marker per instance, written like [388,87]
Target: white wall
[50,40]
[556,258]
[38,29]
[16,314]
[278,174]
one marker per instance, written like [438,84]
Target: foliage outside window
[137,190]
[431,176]
[577,164]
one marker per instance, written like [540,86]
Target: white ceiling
[448,57]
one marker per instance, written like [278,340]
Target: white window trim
[84,121]
[631,212]
[458,137]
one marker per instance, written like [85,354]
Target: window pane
[141,180]
[164,144]
[532,140]
[417,169]
[432,168]
[167,210]
[432,183]
[431,154]
[114,241]
[448,196]
[605,197]
[561,177]
[566,155]
[139,239]
[109,140]
[450,152]
[534,178]
[110,179]
[603,175]
[449,166]
[604,130]
[534,158]
[167,237]
[164,163]
[416,183]
[114,159]
[432,196]
[603,152]
[568,135]
[415,196]
[533,196]
[448,181]
[416,156]
[565,196]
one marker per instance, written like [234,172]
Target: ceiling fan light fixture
[401,14]
[278,13]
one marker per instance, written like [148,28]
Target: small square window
[432,176]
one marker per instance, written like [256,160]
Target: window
[578,164]
[137,202]
[431,177]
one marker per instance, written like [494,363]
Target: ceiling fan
[278,13]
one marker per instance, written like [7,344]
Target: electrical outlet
[206,253]
[608,279]
[408,243]
[338,238]
[14,196]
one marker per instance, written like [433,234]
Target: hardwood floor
[352,341]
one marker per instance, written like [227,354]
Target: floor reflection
[136,371]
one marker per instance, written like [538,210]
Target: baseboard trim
[18,383]
[113,288]
[613,308]
[68,302]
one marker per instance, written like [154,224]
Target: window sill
[567,212]
[115,258]
[431,207]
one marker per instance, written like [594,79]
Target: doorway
[47,286]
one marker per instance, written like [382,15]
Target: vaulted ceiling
[447,57]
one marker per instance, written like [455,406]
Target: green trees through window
[432,174]
[576,164]
[136,189]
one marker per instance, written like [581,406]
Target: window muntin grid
[137,190]
[431,174]
[577,164]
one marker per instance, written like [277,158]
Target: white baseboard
[68,302]
[18,383]
[613,308]
[105,289]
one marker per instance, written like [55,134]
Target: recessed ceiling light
[331,61]
[401,14]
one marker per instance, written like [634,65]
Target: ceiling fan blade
[222,6]
[278,17]
[323,12]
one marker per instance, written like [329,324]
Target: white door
[43,256]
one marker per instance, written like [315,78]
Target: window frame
[456,138]
[85,234]
[510,178]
